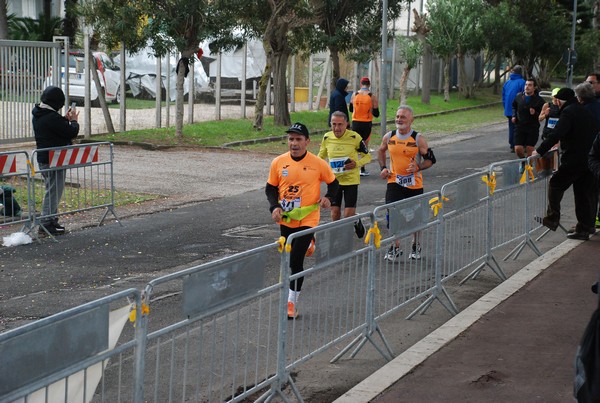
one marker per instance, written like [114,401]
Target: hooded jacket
[511,88]
[50,128]
[337,101]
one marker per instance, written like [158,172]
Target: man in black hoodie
[576,129]
[52,130]
[337,100]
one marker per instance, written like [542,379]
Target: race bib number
[289,205]
[405,180]
[552,122]
[337,164]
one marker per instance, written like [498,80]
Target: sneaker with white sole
[393,254]
[415,254]
[292,311]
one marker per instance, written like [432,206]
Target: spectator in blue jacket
[337,101]
[514,85]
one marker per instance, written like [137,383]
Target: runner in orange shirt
[295,181]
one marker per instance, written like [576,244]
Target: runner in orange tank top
[409,155]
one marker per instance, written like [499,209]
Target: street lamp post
[572,47]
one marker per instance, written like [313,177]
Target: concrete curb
[404,363]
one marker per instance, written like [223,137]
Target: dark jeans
[584,187]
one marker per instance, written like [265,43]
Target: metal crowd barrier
[222,344]
[336,299]
[15,182]
[73,355]
[88,173]
[229,338]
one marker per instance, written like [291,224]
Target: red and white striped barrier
[73,156]
[8,164]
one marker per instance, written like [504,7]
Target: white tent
[231,61]
[141,73]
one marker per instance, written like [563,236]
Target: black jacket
[576,130]
[521,110]
[337,100]
[594,158]
[51,130]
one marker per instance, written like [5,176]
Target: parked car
[108,73]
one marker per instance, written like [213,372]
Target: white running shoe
[393,254]
[415,254]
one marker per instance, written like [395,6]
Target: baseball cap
[298,128]
[565,94]
[365,80]
[555,91]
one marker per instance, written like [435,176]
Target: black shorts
[395,192]
[350,195]
[525,136]
[362,128]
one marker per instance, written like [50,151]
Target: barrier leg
[363,338]
[112,210]
[449,304]
[495,268]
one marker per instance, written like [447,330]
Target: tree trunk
[497,74]
[280,102]
[447,79]
[426,74]
[335,66]
[403,82]
[101,99]
[276,37]
[262,90]
[465,84]
[182,63]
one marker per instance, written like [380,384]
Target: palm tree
[42,29]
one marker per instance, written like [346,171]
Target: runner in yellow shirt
[347,153]
[295,181]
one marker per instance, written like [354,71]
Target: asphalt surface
[38,280]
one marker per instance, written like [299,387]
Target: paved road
[41,279]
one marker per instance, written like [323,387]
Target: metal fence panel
[402,280]
[88,171]
[222,345]
[332,302]
[24,68]
[15,208]
[465,223]
[65,357]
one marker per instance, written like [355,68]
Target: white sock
[293,296]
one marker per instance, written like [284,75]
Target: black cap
[298,128]
[53,97]
[565,94]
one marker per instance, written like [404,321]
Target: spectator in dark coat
[52,130]
[576,129]
[589,98]
[337,101]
